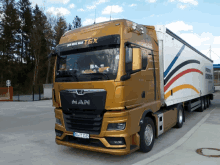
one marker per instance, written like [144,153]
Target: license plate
[81,135]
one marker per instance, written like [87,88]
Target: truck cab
[106,82]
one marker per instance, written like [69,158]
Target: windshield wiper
[99,73]
[68,73]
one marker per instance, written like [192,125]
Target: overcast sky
[195,21]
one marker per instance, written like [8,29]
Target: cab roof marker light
[142,30]
[134,26]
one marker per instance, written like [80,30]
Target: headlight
[116,126]
[58,121]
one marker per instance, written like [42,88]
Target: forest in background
[27,36]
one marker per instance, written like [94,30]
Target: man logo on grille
[82,102]
[80,92]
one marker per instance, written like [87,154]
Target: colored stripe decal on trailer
[184,86]
[180,75]
[173,62]
[178,67]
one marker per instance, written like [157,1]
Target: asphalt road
[27,137]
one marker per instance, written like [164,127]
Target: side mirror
[137,59]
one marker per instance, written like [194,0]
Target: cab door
[139,88]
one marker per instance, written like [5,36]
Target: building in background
[216,68]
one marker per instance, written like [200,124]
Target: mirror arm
[126,76]
[135,71]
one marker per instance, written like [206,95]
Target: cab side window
[128,59]
[144,54]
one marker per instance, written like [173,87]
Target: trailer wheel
[179,123]
[208,101]
[205,102]
[201,108]
[147,135]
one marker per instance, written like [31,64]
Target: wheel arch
[148,113]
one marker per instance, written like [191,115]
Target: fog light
[116,140]
[58,133]
[116,126]
[58,121]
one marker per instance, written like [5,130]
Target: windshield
[91,64]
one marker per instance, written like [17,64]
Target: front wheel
[147,135]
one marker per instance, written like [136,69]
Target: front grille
[88,142]
[83,121]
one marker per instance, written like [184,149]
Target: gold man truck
[119,85]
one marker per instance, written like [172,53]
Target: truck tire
[147,135]
[201,108]
[207,100]
[179,123]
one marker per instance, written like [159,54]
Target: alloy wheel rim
[148,135]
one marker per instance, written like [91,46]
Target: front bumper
[115,151]
[99,142]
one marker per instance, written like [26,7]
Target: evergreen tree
[60,28]
[1,29]
[1,42]
[38,41]
[10,25]
[28,35]
[25,13]
[70,26]
[77,22]
[51,43]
